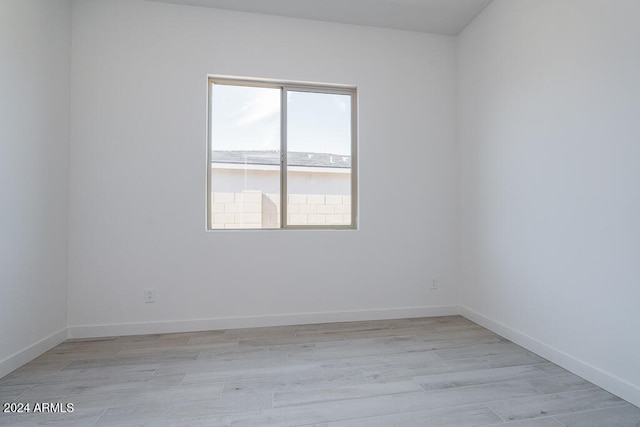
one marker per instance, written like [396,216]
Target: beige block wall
[315,209]
[254,209]
[236,210]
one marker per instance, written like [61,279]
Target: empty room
[320,213]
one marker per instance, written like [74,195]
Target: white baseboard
[611,383]
[119,329]
[26,355]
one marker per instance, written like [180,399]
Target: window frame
[285,87]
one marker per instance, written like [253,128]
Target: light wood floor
[444,371]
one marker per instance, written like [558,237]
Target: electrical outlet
[149,296]
[434,284]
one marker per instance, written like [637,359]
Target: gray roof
[272,157]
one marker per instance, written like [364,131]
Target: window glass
[245,157]
[280,156]
[318,158]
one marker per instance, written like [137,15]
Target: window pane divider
[283,158]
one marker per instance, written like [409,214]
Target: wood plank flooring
[441,371]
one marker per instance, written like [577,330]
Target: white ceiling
[430,16]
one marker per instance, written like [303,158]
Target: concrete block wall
[237,210]
[254,209]
[270,210]
[314,209]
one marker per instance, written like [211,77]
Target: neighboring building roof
[272,157]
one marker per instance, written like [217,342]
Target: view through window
[281,155]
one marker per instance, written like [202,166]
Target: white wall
[138,171]
[300,180]
[549,131]
[34,148]
[548,210]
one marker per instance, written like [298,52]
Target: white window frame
[285,87]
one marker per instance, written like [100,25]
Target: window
[281,155]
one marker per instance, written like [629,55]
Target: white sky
[248,118]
